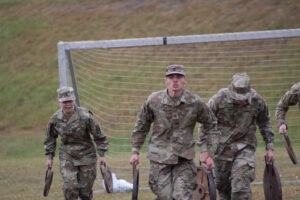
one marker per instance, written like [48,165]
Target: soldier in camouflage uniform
[76,127]
[174,113]
[238,110]
[291,98]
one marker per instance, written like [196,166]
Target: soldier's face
[175,82]
[67,107]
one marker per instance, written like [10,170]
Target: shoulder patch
[257,96]
[84,112]
[295,88]
[191,98]
[155,97]
[57,115]
[221,95]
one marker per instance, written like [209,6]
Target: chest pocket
[245,116]
[225,114]
[79,128]
[189,116]
[75,128]
[163,111]
[177,117]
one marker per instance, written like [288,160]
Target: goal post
[114,77]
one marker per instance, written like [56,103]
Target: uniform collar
[168,100]
[75,116]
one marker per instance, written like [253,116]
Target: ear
[185,80]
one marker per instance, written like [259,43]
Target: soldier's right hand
[210,164]
[134,159]
[49,163]
[102,160]
[282,129]
[203,156]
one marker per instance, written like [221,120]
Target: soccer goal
[114,77]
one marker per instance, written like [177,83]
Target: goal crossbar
[221,37]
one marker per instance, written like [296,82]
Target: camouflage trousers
[233,178]
[170,182]
[78,180]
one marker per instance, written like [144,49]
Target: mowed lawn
[22,172]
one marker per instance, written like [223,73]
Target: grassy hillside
[31,29]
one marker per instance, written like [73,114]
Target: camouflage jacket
[291,98]
[237,123]
[75,133]
[173,127]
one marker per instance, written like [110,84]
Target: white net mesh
[114,83]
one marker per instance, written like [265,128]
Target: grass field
[31,29]
[22,171]
[29,33]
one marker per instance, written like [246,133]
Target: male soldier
[291,98]
[174,113]
[238,110]
[77,153]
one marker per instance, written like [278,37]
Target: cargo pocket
[243,175]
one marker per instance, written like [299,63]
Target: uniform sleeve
[213,105]
[208,134]
[265,128]
[282,108]
[142,126]
[50,140]
[98,135]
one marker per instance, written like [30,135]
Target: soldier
[174,113]
[76,126]
[291,98]
[238,110]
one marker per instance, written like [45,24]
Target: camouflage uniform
[171,145]
[234,159]
[77,153]
[291,98]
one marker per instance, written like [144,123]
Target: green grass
[22,170]
[22,147]
[31,29]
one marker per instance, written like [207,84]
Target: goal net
[113,78]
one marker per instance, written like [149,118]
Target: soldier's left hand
[49,163]
[102,160]
[282,129]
